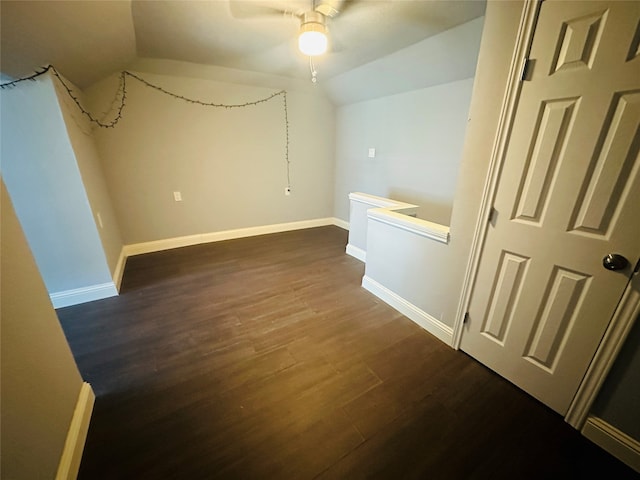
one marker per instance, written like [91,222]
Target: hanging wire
[122,94]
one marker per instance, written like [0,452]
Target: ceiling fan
[312,36]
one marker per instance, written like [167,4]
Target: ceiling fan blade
[255,9]
[332,8]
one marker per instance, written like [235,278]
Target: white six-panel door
[568,195]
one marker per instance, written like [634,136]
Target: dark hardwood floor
[263,358]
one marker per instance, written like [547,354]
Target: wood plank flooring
[263,358]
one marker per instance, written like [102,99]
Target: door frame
[629,306]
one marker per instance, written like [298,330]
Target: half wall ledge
[401,254]
[363,207]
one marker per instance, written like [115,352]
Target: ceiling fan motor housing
[313,33]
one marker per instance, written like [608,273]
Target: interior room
[227,256]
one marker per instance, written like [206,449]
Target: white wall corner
[77,435]
[338,222]
[617,443]
[417,315]
[76,296]
[356,252]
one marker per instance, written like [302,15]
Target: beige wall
[228,164]
[40,380]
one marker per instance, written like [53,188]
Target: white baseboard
[422,318]
[169,243]
[356,252]
[77,435]
[617,443]
[338,222]
[119,270]
[82,295]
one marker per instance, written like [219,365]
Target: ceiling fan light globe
[312,41]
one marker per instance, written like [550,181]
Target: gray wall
[418,137]
[444,58]
[618,402]
[417,124]
[40,381]
[229,164]
[42,176]
[494,59]
[446,269]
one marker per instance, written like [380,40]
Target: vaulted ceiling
[88,40]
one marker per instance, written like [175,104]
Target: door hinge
[527,69]
[465,319]
[493,216]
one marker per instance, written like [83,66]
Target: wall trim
[418,316]
[612,341]
[356,252]
[176,242]
[77,435]
[424,228]
[377,201]
[385,203]
[617,443]
[76,296]
[119,270]
[338,222]
[524,39]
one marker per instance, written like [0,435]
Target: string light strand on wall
[286,149]
[123,100]
[200,102]
[122,93]
[33,77]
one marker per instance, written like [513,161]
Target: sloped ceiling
[88,40]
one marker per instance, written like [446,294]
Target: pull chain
[314,72]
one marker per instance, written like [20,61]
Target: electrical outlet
[177,196]
[287,191]
[372,153]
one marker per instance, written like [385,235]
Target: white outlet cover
[177,196]
[372,153]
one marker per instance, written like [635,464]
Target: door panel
[549,144]
[505,293]
[616,164]
[568,194]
